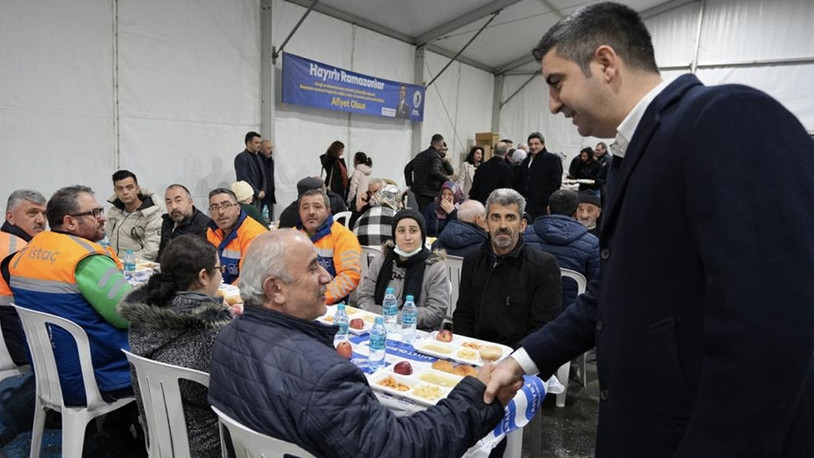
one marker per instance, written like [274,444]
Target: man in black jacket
[276,371]
[492,174]
[182,216]
[251,168]
[425,173]
[266,151]
[508,290]
[540,175]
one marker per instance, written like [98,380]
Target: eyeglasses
[224,207]
[96,212]
[221,268]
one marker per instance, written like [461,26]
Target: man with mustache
[182,216]
[338,248]
[231,231]
[275,370]
[508,290]
[25,218]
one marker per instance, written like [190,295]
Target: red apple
[357,323]
[344,349]
[445,335]
[403,368]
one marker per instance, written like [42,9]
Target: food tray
[353,312]
[414,388]
[230,294]
[459,349]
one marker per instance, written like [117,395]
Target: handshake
[502,380]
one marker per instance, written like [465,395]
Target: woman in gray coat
[411,269]
[174,319]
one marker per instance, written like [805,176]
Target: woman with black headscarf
[410,269]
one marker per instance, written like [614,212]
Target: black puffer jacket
[182,334]
[425,173]
[281,376]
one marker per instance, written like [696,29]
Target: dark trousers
[423,202]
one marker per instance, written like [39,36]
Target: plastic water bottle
[378,344]
[409,320]
[266,217]
[341,319]
[390,310]
[129,265]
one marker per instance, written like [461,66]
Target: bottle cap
[410,297]
[390,290]
[341,306]
[379,320]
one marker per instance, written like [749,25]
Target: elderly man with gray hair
[275,371]
[466,233]
[492,174]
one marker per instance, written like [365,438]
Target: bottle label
[408,318]
[378,342]
[343,329]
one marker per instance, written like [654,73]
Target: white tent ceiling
[445,27]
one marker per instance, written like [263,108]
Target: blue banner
[314,84]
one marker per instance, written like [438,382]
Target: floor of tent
[568,432]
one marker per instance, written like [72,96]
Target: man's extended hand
[504,394]
[505,376]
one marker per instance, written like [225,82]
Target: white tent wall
[56,96]
[732,32]
[303,133]
[189,89]
[459,104]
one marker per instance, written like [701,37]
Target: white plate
[353,313]
[456,350]
[414,386]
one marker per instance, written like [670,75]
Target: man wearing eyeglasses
[64,272]
[231,231]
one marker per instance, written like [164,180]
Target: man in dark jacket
[568,240]
[492,174]
[468,232]
[290,216]
[251,168]
[267,151]
[540,175]
[275,370]
[182,216]
[705,282]
[425,173]
[507,290]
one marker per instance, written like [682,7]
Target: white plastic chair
[248,443]
[7,366]
[49,393]
[161,398]
[368,254]
[562,372]
[343,217]
[454,264]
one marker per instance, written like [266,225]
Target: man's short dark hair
[62,203]
[315,192]
[577,36]
[217,191]
[536,135]
[437,138]
[250,136]
[123,174]
[563,202]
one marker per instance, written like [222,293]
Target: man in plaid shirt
[374,227]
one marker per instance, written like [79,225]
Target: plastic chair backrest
[37,327]
[343,217]
[161,398]
[582,282]
[248,443]
[454,264]
[7,366]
